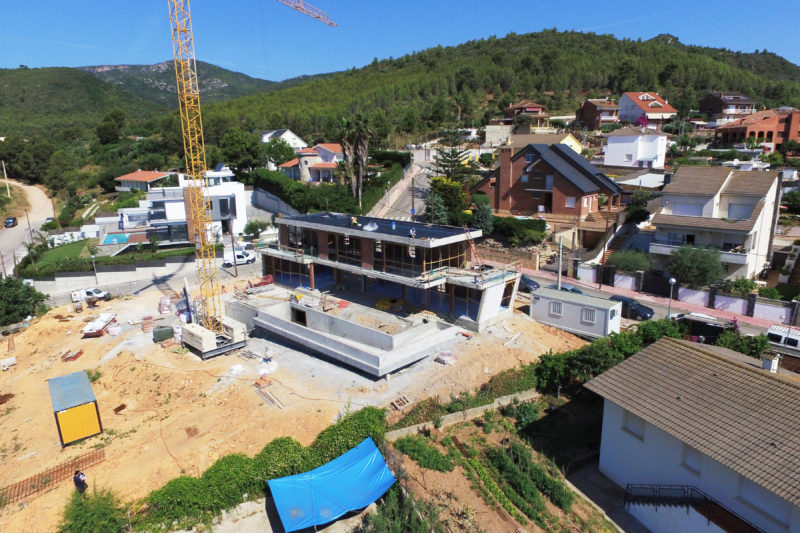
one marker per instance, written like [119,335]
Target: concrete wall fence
[691,296]
[626,281]
[731,304]
[269,202]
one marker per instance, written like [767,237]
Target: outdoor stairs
[614,246]
[603,216]
[688,496]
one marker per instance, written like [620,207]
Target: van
[79,295]
[784,338]
[242,257]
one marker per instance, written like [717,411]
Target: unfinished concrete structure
[404,267]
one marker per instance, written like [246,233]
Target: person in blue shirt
[80,481]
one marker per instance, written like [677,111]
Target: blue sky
[265,39]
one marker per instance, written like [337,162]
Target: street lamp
[671,286]
[94,267]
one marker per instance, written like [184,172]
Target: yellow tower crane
[198,208]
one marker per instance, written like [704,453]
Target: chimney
[503,185]
[770,361]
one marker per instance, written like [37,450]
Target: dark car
[11,222]
[633,309]
[527,284]
[567,287]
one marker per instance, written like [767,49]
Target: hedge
[186,501]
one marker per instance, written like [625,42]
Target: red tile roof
[293,163]
[336,148]
[647,105]
[753,118]
[307,151]
[146,176]
[325,165]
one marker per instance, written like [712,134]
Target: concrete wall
[625,281]
[692,296]
[111,275]
[731,304]
[776,313]
[321,321]
[490,303]
[273,204]
[587,273]
[658,458]
[672,519]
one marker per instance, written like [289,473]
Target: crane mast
[198,209]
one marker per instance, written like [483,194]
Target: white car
[80,295]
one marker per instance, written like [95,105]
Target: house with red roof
[769,128]
[314,165]
[142,180]
[646,109]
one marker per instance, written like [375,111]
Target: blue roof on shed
[70,390]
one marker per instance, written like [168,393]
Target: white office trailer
[582,315]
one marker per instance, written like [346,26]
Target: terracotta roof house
[702,438]
[722,107]
[733,211]
[595,112]
[646,109]
[635,146]
[141,179]
[770,128]
[536,113]
[315,165]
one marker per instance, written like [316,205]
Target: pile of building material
[165,305]
[148,324]
[98,326]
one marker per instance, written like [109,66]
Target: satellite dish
[736,162]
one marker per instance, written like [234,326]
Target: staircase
[614,246]
[689,496]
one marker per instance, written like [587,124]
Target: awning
[352,481]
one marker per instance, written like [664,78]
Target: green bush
[229,479]
[555,490]
[390,157]
[696,266]
[770,292]
[637,214]
[519,232]
[424,454]
[402,514]
[348,433]
[631,260]
[739,286]
[753,346]
[525,413]
[282,457]
[98,512]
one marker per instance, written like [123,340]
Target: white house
[316,165]
[291,138]
[636,147]
[164,209]
[702,439]
[731,210]
[587,316]
[645,108]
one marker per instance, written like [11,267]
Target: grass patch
[66,251]
[14,206]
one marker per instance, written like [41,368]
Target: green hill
[41,101]
[157,82]
[430,89]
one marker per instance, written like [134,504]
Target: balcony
[735,255]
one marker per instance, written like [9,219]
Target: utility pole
[560,254]
[30,231]
[8,191]
[233,251]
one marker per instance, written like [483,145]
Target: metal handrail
[680,495]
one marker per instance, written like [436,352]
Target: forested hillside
[427,89]
[45,101]
[157,82]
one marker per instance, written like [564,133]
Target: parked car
[11,222]
[79,295]
[243,257]
[567,287]
[633,309]
[527,284]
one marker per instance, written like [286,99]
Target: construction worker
[80,481]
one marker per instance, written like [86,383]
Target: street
[12,240]
[400,209]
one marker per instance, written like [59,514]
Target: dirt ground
[181,413]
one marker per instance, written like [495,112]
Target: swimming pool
[116,238]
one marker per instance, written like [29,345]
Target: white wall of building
[678,204]
[175,210]
[635,452]
[629,151]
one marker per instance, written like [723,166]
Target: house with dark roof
[733,211]
[596,112]
[722,107]
[702,438]
[646,109]
[542,179]
[635,146]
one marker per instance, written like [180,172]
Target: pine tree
[435,210]
[482,219]
[450,160]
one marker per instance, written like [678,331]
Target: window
[628,157]
[692,459]
[613,314]
[588,316]
[529,158]
[633,425]
[570,202]
[555,308]
[524,178]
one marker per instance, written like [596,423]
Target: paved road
[12,240]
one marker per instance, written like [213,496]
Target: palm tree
[355,134]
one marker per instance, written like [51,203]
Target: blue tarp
[353,480]
[70,390]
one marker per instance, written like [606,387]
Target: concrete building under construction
[416,280]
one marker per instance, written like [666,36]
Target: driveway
[12,240]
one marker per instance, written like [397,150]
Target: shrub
[631,260]
[397,513]
[482,219]
[637,214]
[185,500]
[753,346]
[424,454]
[486,159]
[98,512]
[770,292]
[696,266]
[555,490]
[740,286]
[348,433]
[282,457]
[255,227]
[391,157]
[228,479]
[525,413]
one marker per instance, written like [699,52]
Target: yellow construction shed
[74,407]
